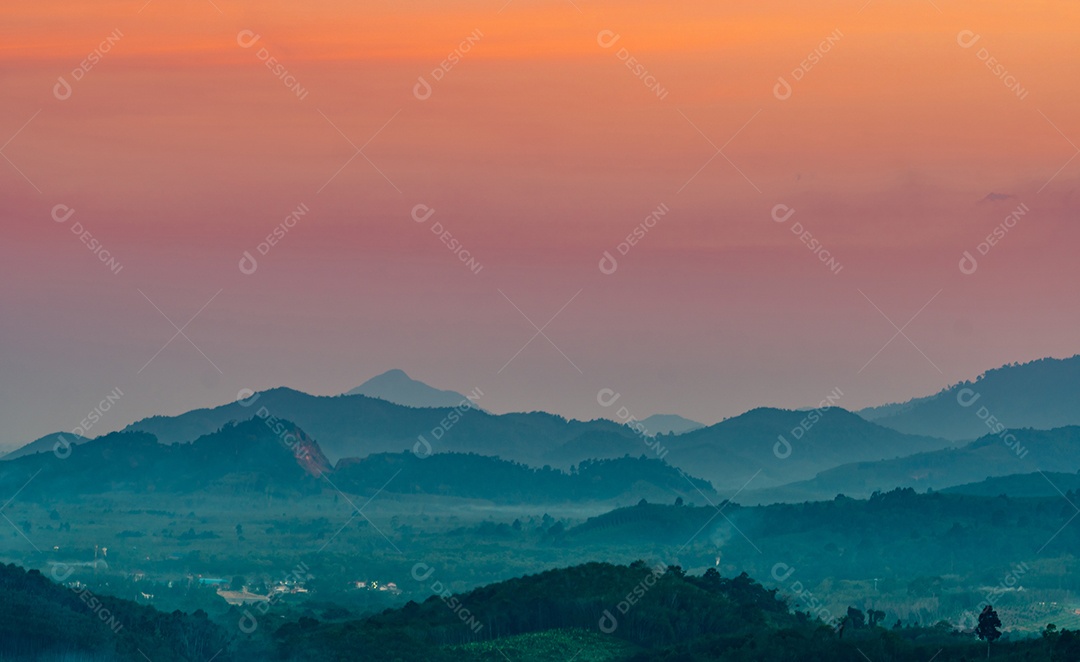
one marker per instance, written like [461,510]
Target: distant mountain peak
[47,444]
[392,376]
[670,424]
[398,387]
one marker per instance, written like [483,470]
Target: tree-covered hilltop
[647,606]
[638,612]
[596,611]
[42,620]
[920,557]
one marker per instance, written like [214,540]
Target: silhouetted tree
[856,618]
[987,629]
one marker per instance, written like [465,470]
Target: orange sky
[539,150]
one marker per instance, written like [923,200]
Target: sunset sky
[900,147]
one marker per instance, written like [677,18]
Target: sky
[455,189]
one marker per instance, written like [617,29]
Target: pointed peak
[396,386]
[393,373]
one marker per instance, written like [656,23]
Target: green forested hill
[42,620]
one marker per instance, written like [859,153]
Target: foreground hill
[597,611]
[42,620]
[1008,452]
[1042,394]
[639,612]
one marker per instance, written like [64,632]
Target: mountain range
[728,453]
[774,454]
[398,387]
[993,455]
[280,458]
[760,449]
[1041,394]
